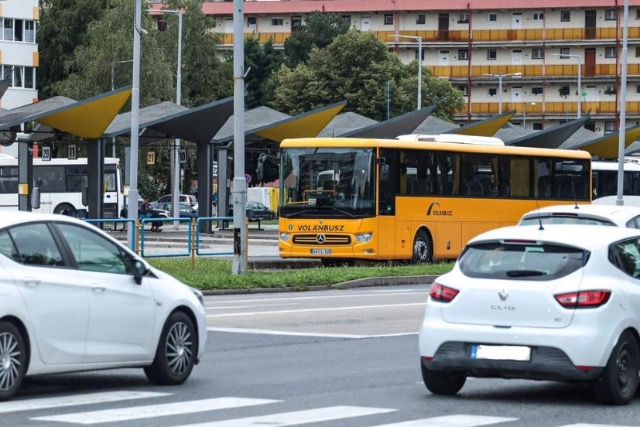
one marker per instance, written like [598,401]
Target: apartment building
[523,56]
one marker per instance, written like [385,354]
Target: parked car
[75,299]
[186,211]
[612,215]
[257,211]
[561,302]
[184,198]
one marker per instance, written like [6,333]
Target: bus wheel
[421,248]
[65,209]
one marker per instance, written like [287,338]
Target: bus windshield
[327,183]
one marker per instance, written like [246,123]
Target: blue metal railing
[198,251]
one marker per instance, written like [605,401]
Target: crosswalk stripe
[295,418]
[152,411]
[75,400]
[452,421]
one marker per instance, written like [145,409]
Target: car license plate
[501,352]
[321,251]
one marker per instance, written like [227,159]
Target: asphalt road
[334,358]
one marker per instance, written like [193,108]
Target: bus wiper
[525,273]
[349,214]
[294,214]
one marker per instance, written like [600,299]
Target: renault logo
[320,238]
[504,294]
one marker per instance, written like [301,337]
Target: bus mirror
[35,198]
[85,196]
[384,172]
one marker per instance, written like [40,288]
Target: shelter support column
[95,178]
[223,178]
[25,175]
[204,166]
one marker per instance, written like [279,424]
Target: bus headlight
[363,237]
[285,237]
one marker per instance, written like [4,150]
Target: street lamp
[176,149]
[419,66]
[113,86]
[579,58]
[524,113]
[500,76]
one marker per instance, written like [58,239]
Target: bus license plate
[321,251]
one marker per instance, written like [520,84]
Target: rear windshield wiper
[524,273]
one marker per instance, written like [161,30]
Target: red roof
[344,6]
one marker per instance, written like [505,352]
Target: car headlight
[363,237]
[285,237]
[198,295]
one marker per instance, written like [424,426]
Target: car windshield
[521,260]
[565,219]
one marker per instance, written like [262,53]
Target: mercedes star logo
[320,238]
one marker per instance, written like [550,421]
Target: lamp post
[419,66]
[579,58]
[113,87]
[175,155]
[132,205]
[500,77]
[524,113]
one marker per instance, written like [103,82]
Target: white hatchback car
[75,299]
[612,215]
[558,303]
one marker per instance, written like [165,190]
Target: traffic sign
[248,178]
[46,154]
[73,152]
[182,155]
[151,157]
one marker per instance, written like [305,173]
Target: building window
[537,90]
[8,29]
[536,126]
[565,15]
[347,19]
[610,15]
[421,18]
[464,90]
[493,17]
[564,91]
[463,18]
[610,52]
[537,53]
[251,21]
[609,90]
[609,126]
[29,77]
[388,19]
[493,91]
[537,16]
[637,14]
[463,54]
[564,53]
[492,54]
[277,22]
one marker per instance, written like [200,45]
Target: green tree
[62,27]
[438,92]
[356,67]
[261,60]
[319,30]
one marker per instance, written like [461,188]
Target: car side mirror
[139,270]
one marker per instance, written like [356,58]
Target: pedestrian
[146,211]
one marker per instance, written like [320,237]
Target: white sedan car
[74,299]
[560,302]
[612,215]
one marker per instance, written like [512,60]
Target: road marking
[452,421]
[297,417]
[354,295]
[592,425]
[309,310]
[152,411]
[73,400]
[295,334]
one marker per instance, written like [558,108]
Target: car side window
[36,246]
[7,247]
[627,257]
[92,251]
[633,223]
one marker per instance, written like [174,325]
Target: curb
[351,284]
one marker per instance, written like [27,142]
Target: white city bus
[60,182]
[605,182]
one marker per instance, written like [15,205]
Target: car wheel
[619,380]
[421,248]
[176,351]
[443,382]
[13,360]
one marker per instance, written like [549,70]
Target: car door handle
[98,288]
[31,281]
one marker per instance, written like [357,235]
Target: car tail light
[442,293]
[584,299]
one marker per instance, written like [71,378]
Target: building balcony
[553,108]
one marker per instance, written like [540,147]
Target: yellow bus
[417,198]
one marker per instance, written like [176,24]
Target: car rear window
[521,260]
[565,219]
